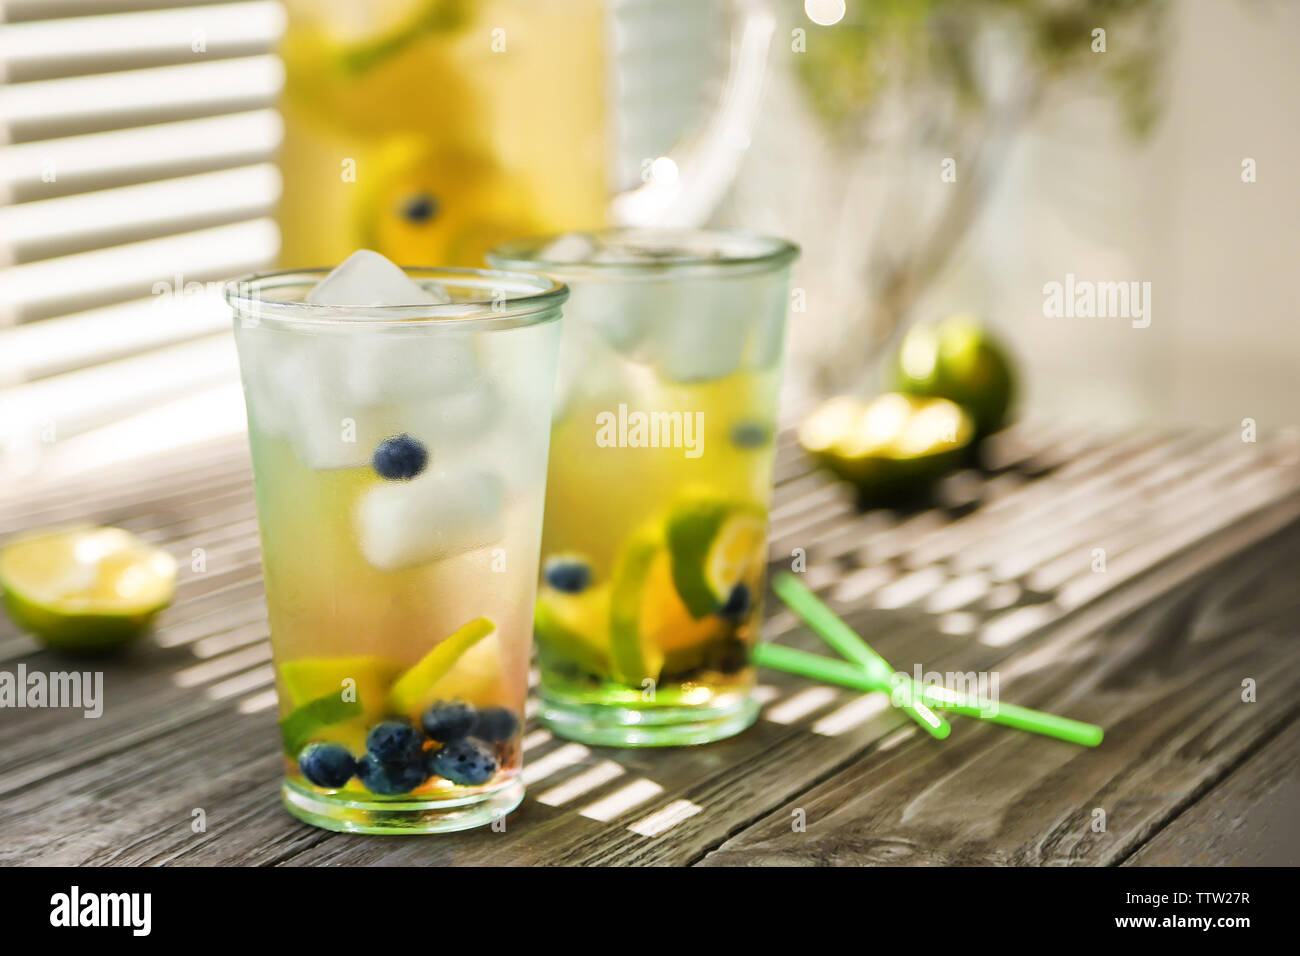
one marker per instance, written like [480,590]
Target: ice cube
[621,313]
[770,297]
[450,422]
[520,365]
[703,335]
[366,278]
[401,368]
[298,397]
[330,436]
[442,513]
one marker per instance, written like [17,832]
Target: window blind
[136,147]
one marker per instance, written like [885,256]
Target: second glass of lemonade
[399,458]
[662,445]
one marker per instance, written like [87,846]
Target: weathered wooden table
[1196,608]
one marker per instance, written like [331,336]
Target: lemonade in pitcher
[429,130]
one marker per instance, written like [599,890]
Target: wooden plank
[1249,819]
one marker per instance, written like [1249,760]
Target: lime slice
[575,627]
[307,722]
[310,678]
[85,589]
[415,689]
[634,660]
[714,545]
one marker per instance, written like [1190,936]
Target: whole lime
[959,359]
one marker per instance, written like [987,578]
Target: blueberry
[737,605]
[400,458]
[496,723]
[419,207]
[393,742]
[570,575]
[389,779]
[464,762]
[750,434]
[448,720]
[327,765]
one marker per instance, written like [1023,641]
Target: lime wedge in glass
[715,545]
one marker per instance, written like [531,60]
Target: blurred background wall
[139,140]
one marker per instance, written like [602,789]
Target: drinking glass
[399,459]
[654,546]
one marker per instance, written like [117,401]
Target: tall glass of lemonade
[398,421]
[662,445]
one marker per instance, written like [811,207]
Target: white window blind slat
[55,227]
[61,406]
[40,349]
[137,140]
[20,11]
[56,167]
[37,290]
[185,422]
[45,49]
[48,108]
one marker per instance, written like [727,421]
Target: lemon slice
[714,545]
[415,689]
[85,589]
[666,622]
[575,627]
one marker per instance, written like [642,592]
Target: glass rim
[769,253]
[530,298]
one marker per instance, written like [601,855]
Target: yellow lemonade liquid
[601,498]
[430,130]
[335,615]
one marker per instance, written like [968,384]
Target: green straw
[841,637]
[870,672]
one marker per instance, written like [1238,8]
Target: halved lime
[714,546]
[415,689]
[85,589]
[891,447]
